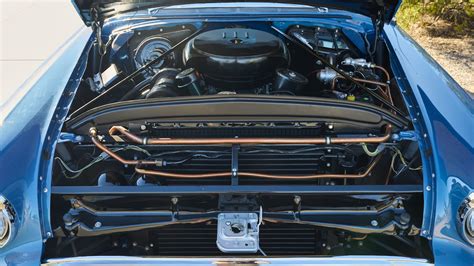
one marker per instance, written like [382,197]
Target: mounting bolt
[424,232]
[329,150]
[49,234]
[115,244]
[297,200]
[330,126]
[428,188]
[134,244]
[360,243]
[45,190]
[328,164]
[174,200]
[98,224]
[374,223]
[143,127]
[425,135]
[147,248]
[152,245]
[323,245]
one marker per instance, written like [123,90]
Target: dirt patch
[453,51]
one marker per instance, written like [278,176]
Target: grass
[457,14]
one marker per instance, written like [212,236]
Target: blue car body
[441,111]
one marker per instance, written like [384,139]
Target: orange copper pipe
[95,140]
[259,175]
[114,155]
[384,71]
[327,140]
[385,93]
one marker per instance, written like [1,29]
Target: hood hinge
[379,21]
[97,28]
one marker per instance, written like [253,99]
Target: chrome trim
[339,260]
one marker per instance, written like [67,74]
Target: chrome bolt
[374,223]
[428,188]
[45,190]
[134,244]
[297,200]
[152,245]
[143,127]
[328,164]
[330,126]
[174,200]
[49,234]
[98,224]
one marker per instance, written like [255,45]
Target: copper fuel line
[152,141]
[259,175]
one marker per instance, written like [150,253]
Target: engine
[241,60]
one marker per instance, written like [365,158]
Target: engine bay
[237,139]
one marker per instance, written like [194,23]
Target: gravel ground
[454,52]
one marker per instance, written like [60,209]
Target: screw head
[174,200]
[98,224]
[428,188]
[374,223]
[297,199]
[143,127]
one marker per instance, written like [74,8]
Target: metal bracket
[405,135]
[238,232]
[70,137]
[297,207]
[235,165]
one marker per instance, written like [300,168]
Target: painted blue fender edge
[442,113]
[26,143]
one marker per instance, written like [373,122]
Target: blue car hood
[102,9]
